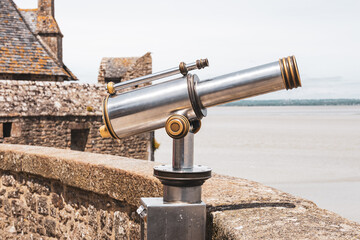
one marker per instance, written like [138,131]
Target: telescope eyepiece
[290,72]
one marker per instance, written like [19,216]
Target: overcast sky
[323,35]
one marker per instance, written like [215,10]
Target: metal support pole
[180,214]
[183,152]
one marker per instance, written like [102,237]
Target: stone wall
[62,132]
[33,207]
[55,193]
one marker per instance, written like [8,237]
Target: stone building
[31,44]
[38,104]
[122,69]
[63,115]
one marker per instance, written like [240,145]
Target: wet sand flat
[309,151]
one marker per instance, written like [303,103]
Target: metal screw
[141,211]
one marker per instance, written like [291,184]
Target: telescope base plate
[186,176]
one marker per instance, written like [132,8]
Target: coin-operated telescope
[179,104]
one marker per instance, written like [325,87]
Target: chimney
[46,7]
[47,27]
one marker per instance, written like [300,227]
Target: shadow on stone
[249,205]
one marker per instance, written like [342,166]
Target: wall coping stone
[237,208]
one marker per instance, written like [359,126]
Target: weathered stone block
[17,208]
[39,186]
[53,212]
[57,201]
[14,193]
[83,211]
[2,192]
[92,212]
[8,180]
[19,225]
[64,216]
[120,225]
[134,230]
[50,227]
[40,230]
[102,219]
[57,188]
[43,206]
[31,201]
[7,207]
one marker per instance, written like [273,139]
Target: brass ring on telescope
[290,72]
[196,105]
[107,123]
[177,126]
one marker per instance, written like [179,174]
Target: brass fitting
[290,72]
[183,69]
[177,126]
[202,63]
[110,88]
[104,132]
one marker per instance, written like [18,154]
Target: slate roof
[30,17]
[44,98]
[20,50]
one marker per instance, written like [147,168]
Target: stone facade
[79,133]
[62,115]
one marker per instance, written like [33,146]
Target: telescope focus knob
[177,126]
[104,132]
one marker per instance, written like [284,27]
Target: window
[79,139]
[7,129]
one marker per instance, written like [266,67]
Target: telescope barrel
[148,108]
[250,82]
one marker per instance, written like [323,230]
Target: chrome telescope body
[148,108]
[178,105]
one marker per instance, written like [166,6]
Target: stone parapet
[58,193]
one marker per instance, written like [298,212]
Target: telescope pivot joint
[177,126]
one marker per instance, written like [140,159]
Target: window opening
[79,139]
[7,129]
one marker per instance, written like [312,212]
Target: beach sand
[309,151]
